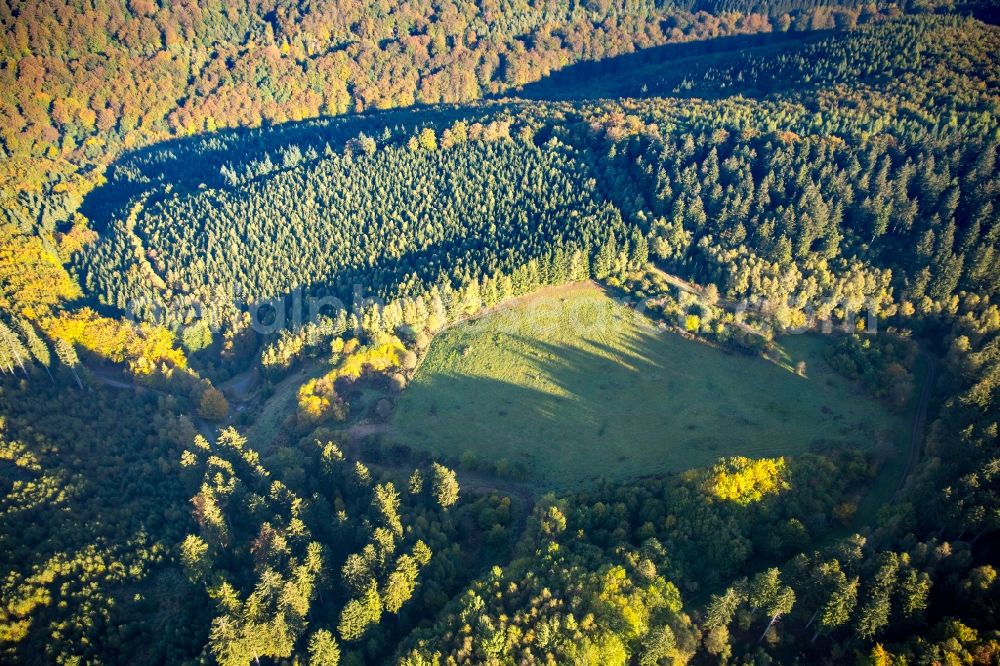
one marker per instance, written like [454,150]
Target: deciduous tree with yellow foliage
[744,480]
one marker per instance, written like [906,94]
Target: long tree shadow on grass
[634,403]
[588,414]
[544,418]
[573,428]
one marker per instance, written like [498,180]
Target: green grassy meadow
[577,387]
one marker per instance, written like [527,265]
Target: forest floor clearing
[576,387]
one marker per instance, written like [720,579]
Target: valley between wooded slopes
[571,333]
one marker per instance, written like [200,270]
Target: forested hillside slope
[852,179]
[83,82]
[197,469]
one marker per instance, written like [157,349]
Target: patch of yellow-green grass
[275,410]
[576,386]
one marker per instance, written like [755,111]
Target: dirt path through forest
[919,421]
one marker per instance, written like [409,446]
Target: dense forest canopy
[196,466]
[120,74]
[394,220]
[735,192]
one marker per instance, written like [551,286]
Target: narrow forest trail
[919,422]
[113,380]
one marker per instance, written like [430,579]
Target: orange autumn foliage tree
[213,404]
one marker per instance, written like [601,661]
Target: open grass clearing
[576,387]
